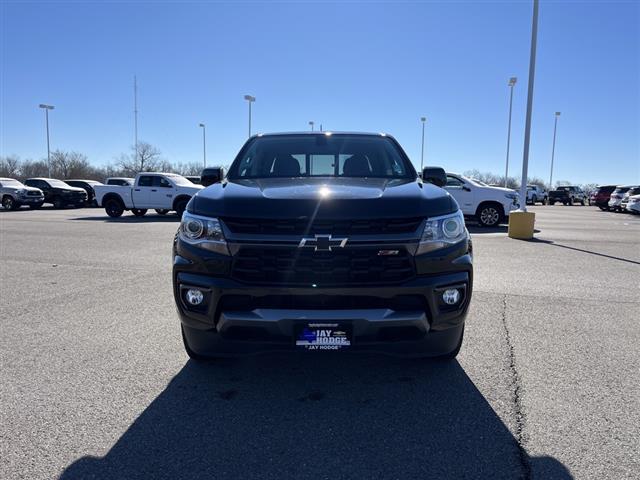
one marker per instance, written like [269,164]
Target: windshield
[11,183]
[473,181]
[315,155]
[57,183]
[180,180]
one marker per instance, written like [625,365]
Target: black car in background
[87,186]
[193,179]
[58,193]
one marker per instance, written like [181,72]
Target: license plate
[323,336]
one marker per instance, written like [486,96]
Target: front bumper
[30,200]
[633,207]
[407,319]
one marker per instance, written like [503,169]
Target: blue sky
[360,66]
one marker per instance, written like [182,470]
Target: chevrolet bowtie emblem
[322,243]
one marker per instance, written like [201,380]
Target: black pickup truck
[322,242]
[568,195]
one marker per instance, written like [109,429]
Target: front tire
[57,203]
[181,206]
[139,212]
[114,208]
[161,211]
[35,206]
[534,199]
[8,203]
[489,215]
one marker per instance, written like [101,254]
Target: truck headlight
[512,196]
[205,232]
[440,232]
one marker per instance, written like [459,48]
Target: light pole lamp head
[423,119]
[311,122]
[249,98]
[512,81]
[557,114]
[202,125]
[48,107]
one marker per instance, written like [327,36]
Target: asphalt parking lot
[95,382]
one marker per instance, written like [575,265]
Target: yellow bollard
[521,225]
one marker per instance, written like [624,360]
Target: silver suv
[14,194]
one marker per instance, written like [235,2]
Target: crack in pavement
[518,408]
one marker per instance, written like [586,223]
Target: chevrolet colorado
[322,241]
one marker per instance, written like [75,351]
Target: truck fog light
[451,296]
[194,296]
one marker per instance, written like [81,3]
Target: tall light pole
[135,117]
[527,127]
[312,123]
[423,120]
[512,82]
[250,99]
[553,148]
[46,116]
[204,146]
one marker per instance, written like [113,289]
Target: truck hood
[70,189]
[25,188]
[322,197]
[499,189]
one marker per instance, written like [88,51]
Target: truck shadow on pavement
[318,417]
[582,250]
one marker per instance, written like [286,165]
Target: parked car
[58,193]
[567,194]
[161,191]
[122,181]
[490,206]
[615,200]
[601,196]
[14,194]
[87,186]
[635,190]
[633,205]
[193,179]
[322,242]
[535,194]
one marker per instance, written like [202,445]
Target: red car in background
[601,196]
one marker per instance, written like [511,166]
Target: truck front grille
[335,227]
[350,266]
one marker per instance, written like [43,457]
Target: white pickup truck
[160,191]
[490,206]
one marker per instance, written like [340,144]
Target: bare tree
[192,168]
[10,166]
[145,159]
[31,168]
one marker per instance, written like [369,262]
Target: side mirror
[435,175]
[209,176]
